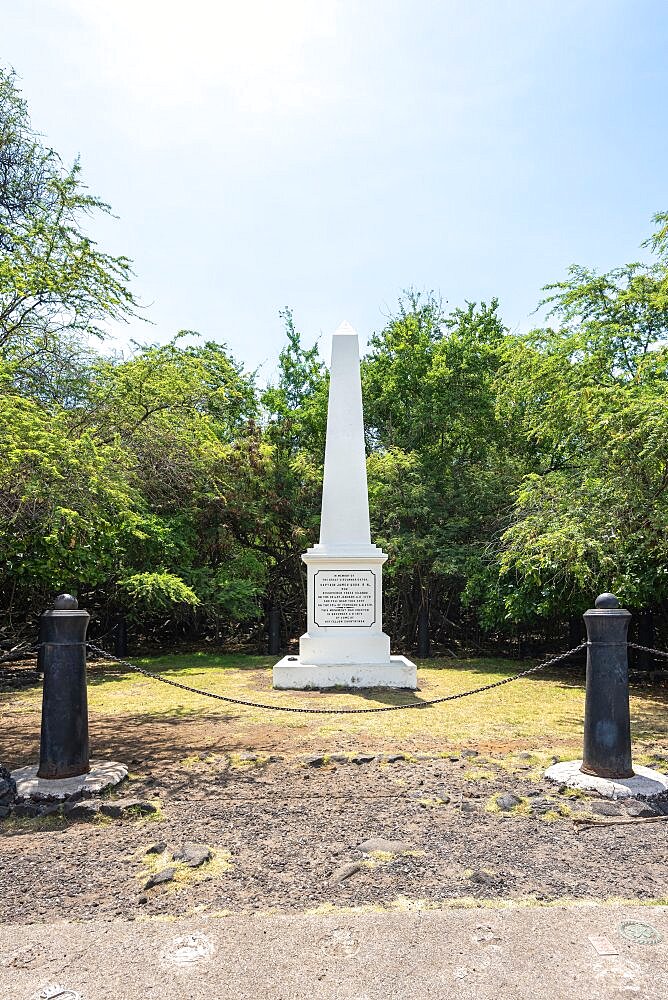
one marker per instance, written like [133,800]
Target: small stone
[605,808]
[469,753]
[484,878]
[142,900]
[394,758]
[386,846]
[339,758]
[248,756]
[193,855]
[639,810]
[115,808]
[345,871]
[27,810]
[86,809]
[507,801]
[166,875]
[157,848]
[50,809]
[315,760]
[363,758]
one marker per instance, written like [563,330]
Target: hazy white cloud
[259,54]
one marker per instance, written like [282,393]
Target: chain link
[648,649]
[338,711]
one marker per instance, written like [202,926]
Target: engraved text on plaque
[344,597]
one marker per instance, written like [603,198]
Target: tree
[295,409]
[56,285]
[591,397]
[438,454]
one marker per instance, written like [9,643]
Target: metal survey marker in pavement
[640,933]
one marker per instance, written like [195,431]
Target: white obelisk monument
[344,644]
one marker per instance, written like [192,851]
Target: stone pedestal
[344,644]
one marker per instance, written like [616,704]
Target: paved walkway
[566,953]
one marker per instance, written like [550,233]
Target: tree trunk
[646,637]
[120,636]
[274,630]
[423,630]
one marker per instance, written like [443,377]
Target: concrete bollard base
[646,783]
[103,774]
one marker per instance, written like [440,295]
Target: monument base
[293,674]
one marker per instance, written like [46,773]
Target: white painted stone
[103,774]
[344,643]
[645,783]
[292,673]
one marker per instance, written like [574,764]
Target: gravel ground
[286,836]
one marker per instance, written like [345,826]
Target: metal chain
[338,711]
[648,649]
[15,657]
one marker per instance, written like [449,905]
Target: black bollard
[607,727]
[63,751]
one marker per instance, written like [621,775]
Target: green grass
[541,713]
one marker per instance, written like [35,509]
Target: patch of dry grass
[542,713]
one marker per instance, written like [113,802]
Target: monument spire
[344,643]
[345,497]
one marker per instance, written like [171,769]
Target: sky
[327,154]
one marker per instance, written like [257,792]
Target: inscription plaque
[344,597]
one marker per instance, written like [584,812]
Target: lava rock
[484,878]
[315,760]
[363,758]
[345,871]
[86,809]
[157,848]
[339,758]
[384,845]
[507,801]
[7,787]
[193,855]
[159,878]
[638,809]
[541,806]
[27,810]
[115,808]
[605,809]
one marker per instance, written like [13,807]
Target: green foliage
[591,398]
[440,458]
[56,284]
[510,478]
[154,592]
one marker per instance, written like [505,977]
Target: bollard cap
[65,602]
[605,601]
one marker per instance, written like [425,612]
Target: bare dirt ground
[286,836]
